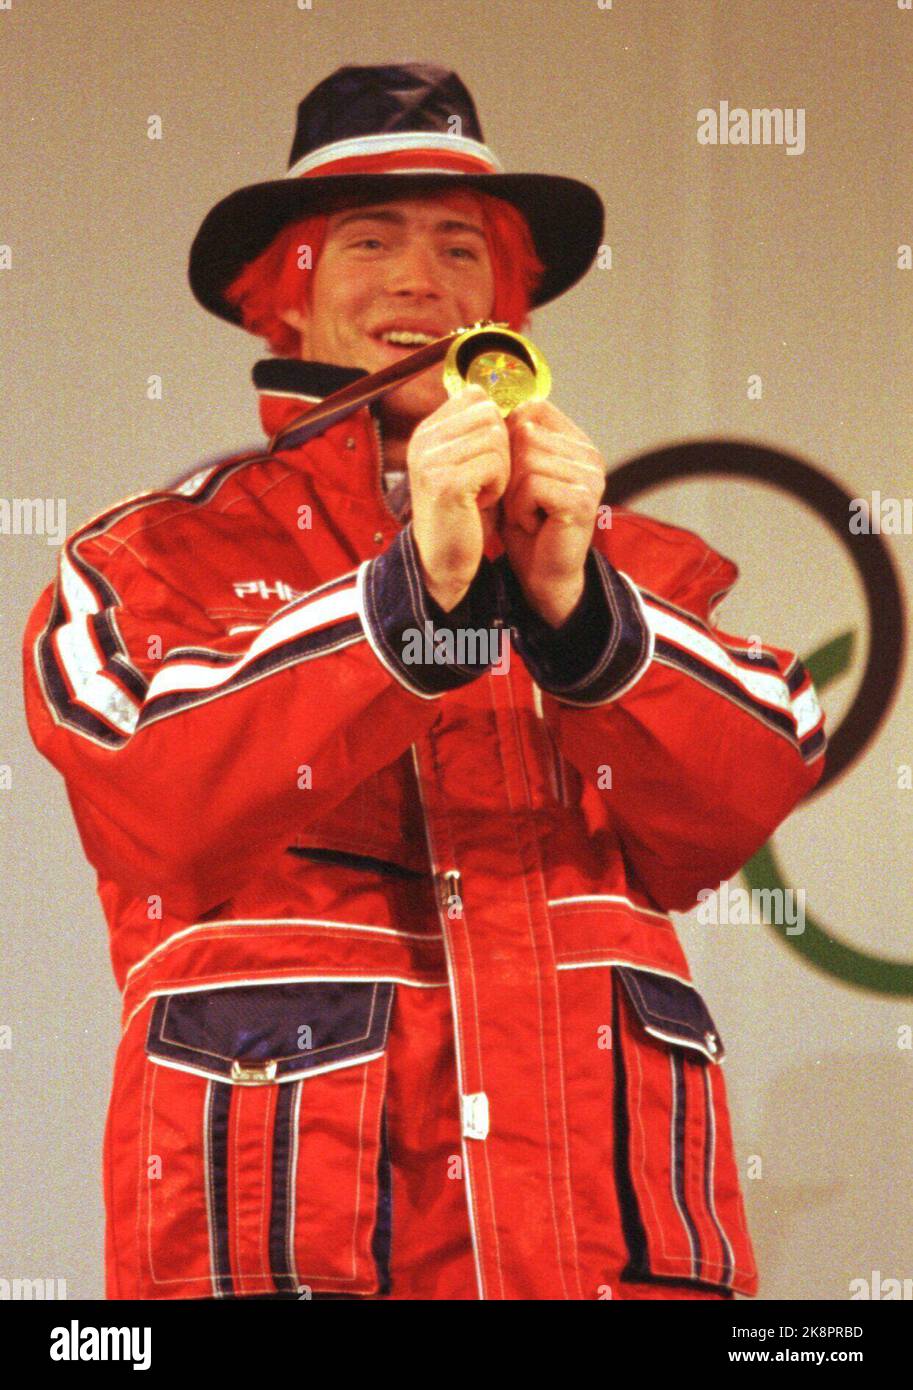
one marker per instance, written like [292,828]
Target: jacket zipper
[447,879]
[379,481]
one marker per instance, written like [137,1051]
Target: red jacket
[393,938]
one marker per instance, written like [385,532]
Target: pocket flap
[253,1034]
[672,1010]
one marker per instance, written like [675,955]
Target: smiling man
[393,276]
[405,1015]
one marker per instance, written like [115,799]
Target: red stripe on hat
[447,161]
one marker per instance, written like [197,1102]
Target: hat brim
[565,218]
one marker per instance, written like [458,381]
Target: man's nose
[415,271]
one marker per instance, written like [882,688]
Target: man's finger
[483,476]
[547,415]
[457,435]
[570,503]
[533,438]
[588,480]
[466,402]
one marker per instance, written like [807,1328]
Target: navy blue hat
[376,133]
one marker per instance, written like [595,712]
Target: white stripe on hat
[419,140]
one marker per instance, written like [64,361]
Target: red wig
[271,284]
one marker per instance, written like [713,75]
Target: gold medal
[505,364]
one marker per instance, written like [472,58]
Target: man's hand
[556,483]
[459,465]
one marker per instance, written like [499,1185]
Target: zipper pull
[452,892]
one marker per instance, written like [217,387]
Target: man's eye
[464,252]
[368,240]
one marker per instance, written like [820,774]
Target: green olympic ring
[821,948]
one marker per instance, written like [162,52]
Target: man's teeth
[406,339]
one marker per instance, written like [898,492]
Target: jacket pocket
[676,1176]
[265,1108]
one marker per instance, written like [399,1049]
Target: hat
[384,132]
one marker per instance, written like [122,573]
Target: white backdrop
[726,262]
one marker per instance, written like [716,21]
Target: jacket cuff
[601,649]
[427,650]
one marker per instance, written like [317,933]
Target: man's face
[414,264]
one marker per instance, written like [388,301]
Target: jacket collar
[287,386]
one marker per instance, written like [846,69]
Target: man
[404,1012]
